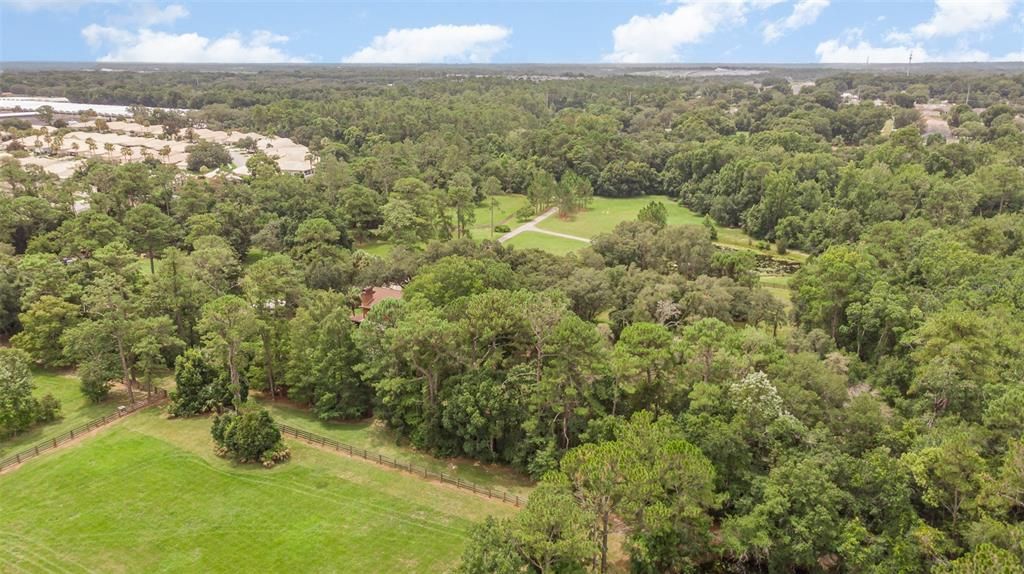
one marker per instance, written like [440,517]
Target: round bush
[249,436]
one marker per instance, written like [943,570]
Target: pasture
[149,494]
[605,213]
[75,409]
[375,437]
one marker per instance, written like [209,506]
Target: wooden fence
[156,396]
[399,465]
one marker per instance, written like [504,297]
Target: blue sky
[570,31]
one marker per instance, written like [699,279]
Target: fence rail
[156,396]
[399,465]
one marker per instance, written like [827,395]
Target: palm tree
[109,148]
[74,146]
[56,143]
[165,152]
[91,144]
[126,152]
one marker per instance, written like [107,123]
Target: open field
[150,495]
[75,409]
[504,210]
[544,242]
[377,438]
[778,286]
[606,212]
[378,248]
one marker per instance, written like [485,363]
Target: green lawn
[505,210]
[544,242]
[606,212]
[778,286]
[378,248]
[75,410]
[148,494]
[376,438]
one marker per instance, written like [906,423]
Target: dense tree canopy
[669,383]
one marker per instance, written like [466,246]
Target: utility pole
[910,60]
[968,102]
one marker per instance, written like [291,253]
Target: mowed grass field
[544,242]
[504,212]
[75,410]
[149,495]
[377,438]
[607,212]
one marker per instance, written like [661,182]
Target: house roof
[373,295]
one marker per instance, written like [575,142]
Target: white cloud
[649,39]
[33,5]
[146,45]
[96,35]
[150,15]
[805,12]
[857,51]
[837,51]
[897,37]
[953,17]
[436,44]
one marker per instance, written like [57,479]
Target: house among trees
[373,295]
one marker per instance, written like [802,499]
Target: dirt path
[532,226]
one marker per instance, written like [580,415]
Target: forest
[671,408]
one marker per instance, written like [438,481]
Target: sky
[524,31]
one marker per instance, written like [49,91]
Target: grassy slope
[377,438]
[544,242]
[605,213]
[149,495]
[75,410]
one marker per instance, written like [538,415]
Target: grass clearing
[376,247]
[377,438]
[778,286]
[504,211]
[150,495]
[545,242]
[74,407]
[607,212]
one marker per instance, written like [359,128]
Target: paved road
[532,226]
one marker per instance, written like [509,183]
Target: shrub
[502,228]
[199,388]
[249,436]
[94,380]
[48,409]
[524,214]
[19,410]
[17,406]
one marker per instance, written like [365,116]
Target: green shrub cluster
[19,410]
[249,436]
